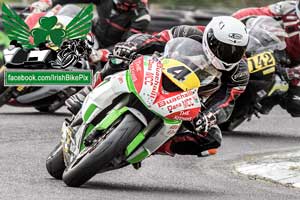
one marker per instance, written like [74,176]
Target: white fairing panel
[106,92]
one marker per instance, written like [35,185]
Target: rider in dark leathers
[219,105]
[117,19]
[288,14]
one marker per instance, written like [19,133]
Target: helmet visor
[225,52]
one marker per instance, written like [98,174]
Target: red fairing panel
[136,69]
[186,115]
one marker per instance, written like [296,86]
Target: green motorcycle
[132,113]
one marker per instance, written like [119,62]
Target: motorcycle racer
[117,19]
[224,42]
[288,14]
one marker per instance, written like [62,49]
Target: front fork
[157,133]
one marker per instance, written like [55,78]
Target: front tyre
[55,162]
[103,153]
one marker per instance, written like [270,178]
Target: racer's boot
[75,101]
[188,143]
[278,90]
[268,103]
[291,102]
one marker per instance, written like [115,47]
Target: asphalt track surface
[26,138]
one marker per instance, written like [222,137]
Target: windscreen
[265,34]
[190,53]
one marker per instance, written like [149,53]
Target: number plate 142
[261,61]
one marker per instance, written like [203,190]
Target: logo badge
[235,36]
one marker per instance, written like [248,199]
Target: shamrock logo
[46,30]
[17,29]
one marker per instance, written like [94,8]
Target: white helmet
[225,41]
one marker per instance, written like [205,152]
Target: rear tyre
[5,93]
[2,88]
[5,96]
[55,162]
[44,109]
[101,155]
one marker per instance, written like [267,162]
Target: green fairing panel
[135,142]
[89,112]
[104,124]
[141,156]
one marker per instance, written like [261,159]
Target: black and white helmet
[225,41]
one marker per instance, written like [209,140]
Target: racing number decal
[179,72]
[260,62]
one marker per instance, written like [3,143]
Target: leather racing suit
[113,25]
[288,15]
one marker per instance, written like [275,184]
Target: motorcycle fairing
[181,105]
[103,95]
[126,82]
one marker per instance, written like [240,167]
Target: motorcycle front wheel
[100,155]
[55,162]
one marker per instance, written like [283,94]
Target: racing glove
[124,50]
[204,121]
[293,73]
[100,55]
[290,73]
[40,6]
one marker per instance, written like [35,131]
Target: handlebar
[128,60]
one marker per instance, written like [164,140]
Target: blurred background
[214,3]
[189,3]
[168,13]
